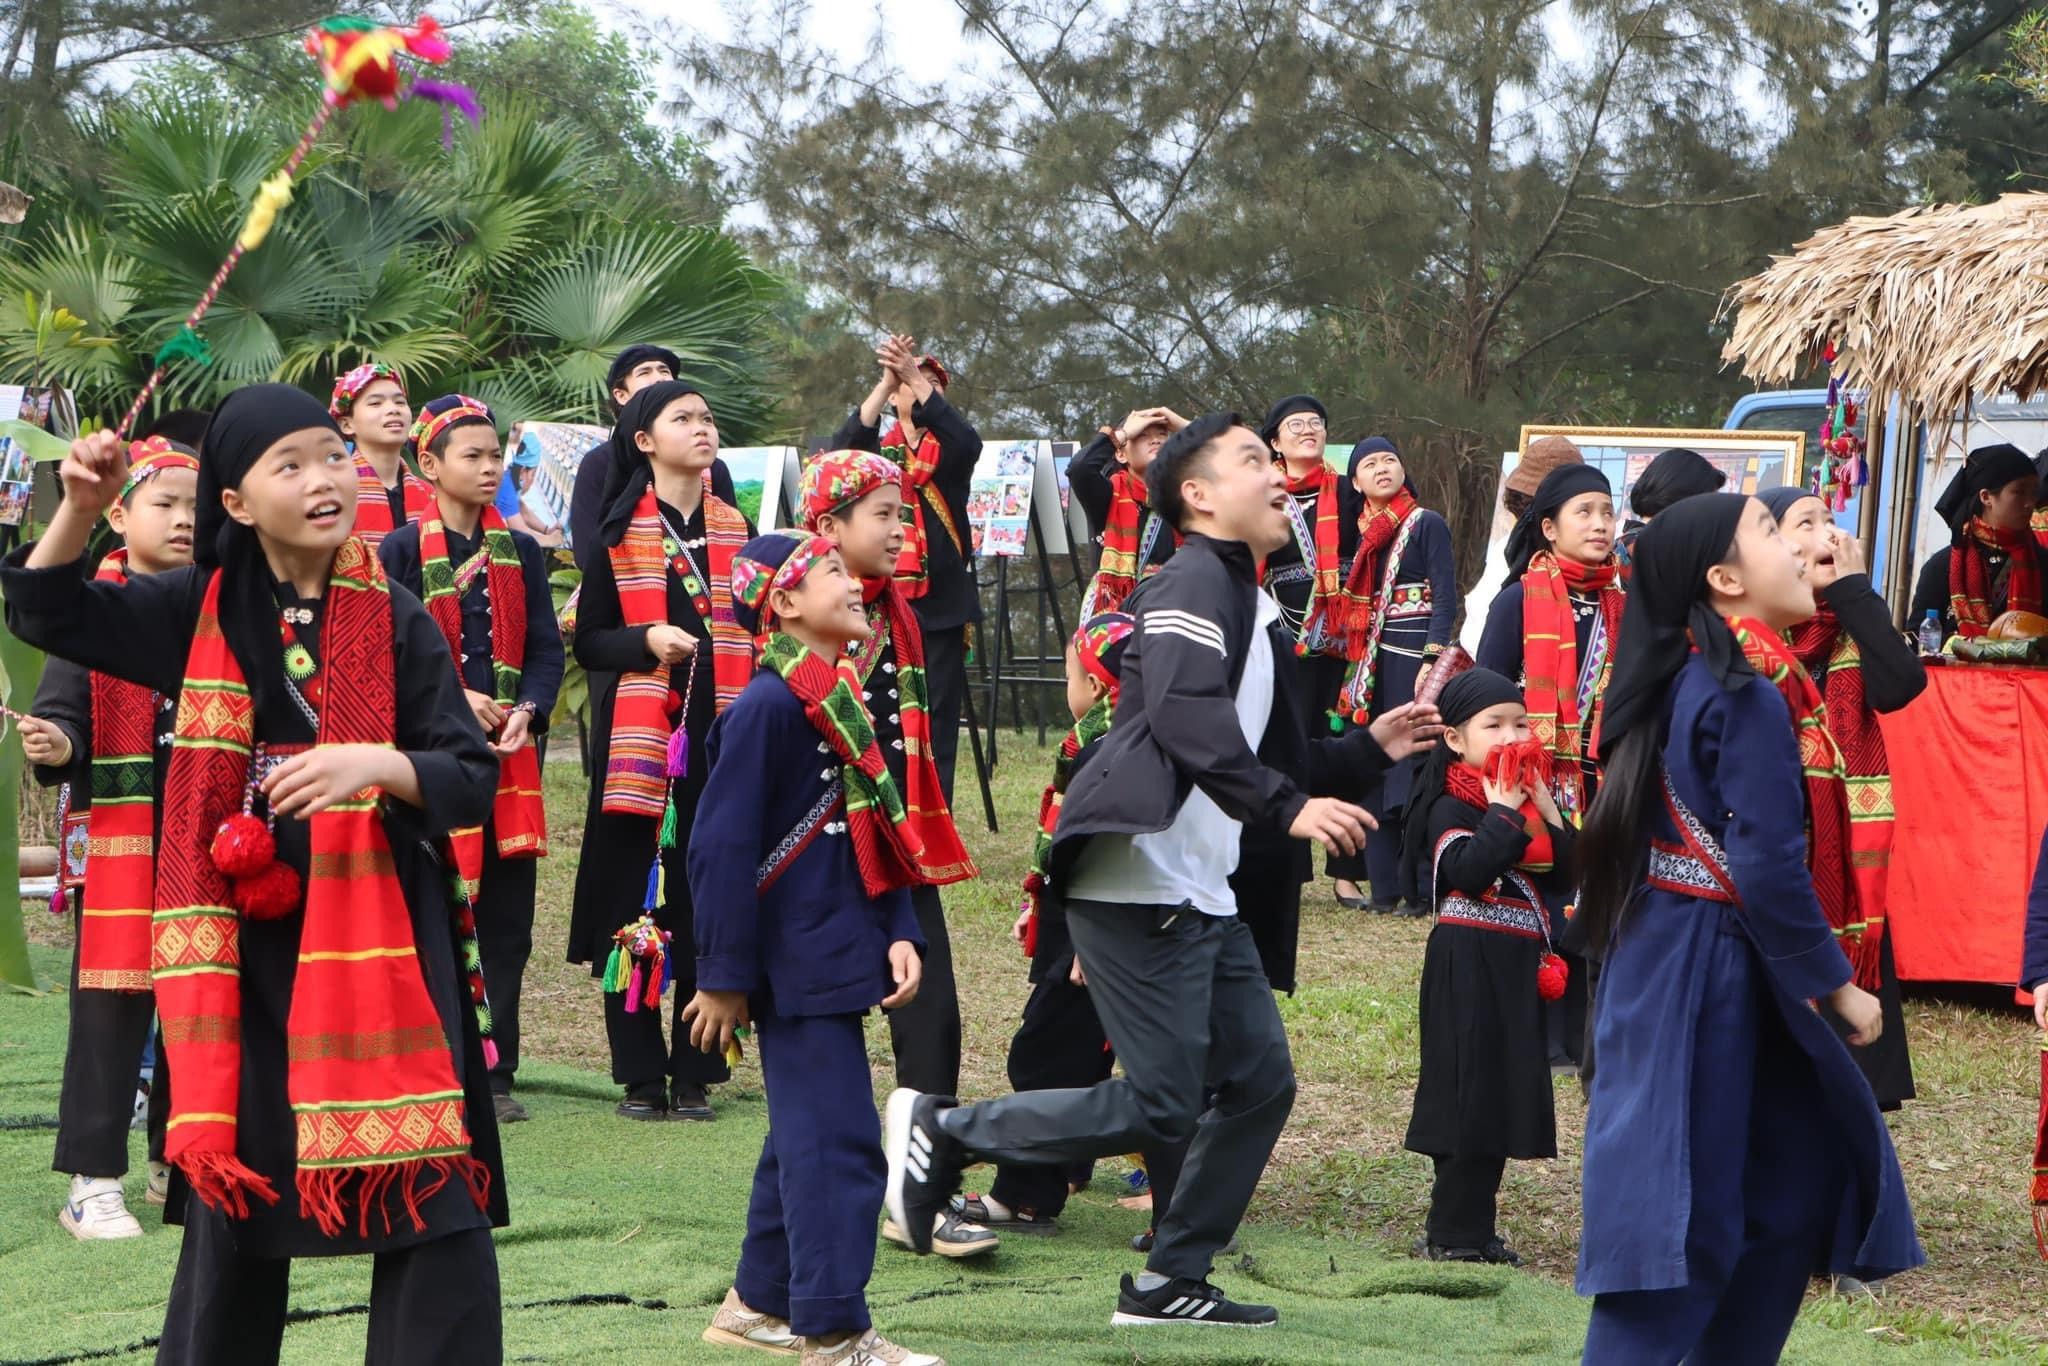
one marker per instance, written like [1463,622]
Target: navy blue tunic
[1697,1000]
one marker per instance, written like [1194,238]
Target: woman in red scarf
[1862,667]
[1993,565]
[1396,611]
[1108,480]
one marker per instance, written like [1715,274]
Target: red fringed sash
[884,838]
[120,866]
[1969,575]
[1127,538]
[1319,553]
[369,1076]
[1092,726]
[944,859]
[1523,765]
[373,505]
[1830,654]
[1551,665]
[1827,791]
[1361,612]
[519,820]
[913,562]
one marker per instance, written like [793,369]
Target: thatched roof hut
[1930,306]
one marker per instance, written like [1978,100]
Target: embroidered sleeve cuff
[727,972]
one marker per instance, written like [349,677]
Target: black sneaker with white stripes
[924,1163]
[1182,1301]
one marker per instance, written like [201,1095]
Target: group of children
[283,764]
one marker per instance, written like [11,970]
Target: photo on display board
[999,496]
[757,473]
[557,449]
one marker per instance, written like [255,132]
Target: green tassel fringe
[185,345]
[615,971]
[668,825]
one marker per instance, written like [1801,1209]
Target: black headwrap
[1372,445]
[639,353]
[248,423]
[1780,499]
[1988,468]
[1676,474]
[628,472]
[1288,407]
[1668,614]
[1463,698]
[1559,487]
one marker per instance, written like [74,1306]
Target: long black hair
[1667,617]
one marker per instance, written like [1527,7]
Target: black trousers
[945,681]
[1383,858]
[1186,1006]
[504,935]
[102,1066]
[1462,1202]
[925,1035]
[641,1059]
[1060,1044]
[432,1304]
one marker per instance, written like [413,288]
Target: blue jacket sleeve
[727,845]
[1443,580]
[902,918]
[2034,965]
[540,676]
[1760,786]
[1500,644]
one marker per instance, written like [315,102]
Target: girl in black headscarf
[273,537]
[1732,1148]
[1488,849]
[654,623]
[1992,564]
[1675,474]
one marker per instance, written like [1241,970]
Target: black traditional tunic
[142,632]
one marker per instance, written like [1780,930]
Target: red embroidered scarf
[1361,610]
[1551,666]
[1970,589]
[370,1078]
[1828,851]
[1467,784]
[636,770]
[1320,555]
[373,504]
[1127,538]
[519,820]
[943,858]
[120,865]
[913,562]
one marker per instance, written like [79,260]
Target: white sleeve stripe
[1186,623]
[1176,614]
[1174,628]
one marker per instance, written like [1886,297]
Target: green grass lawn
[623,1235]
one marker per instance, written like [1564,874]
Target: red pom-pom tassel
[1551,975]
[243,846]
[271,894]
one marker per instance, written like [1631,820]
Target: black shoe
[1409,910]
[644,1103]
[689,1102]
[1437,1252]
[1142,1242]
[1498,1253]
[924,1163]
[1182,1301]
[508,1110]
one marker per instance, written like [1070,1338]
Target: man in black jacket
[1206,741]
[632,370]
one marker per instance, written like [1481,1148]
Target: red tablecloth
[1970,784]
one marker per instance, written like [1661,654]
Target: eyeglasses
[1301,426]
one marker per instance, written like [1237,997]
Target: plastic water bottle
[1930,633]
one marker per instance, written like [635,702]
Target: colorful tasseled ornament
[243,845]
[678,767]
[244,848]
[1551,975]
[271,894]
[639,966]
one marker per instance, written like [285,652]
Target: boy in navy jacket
[800,861]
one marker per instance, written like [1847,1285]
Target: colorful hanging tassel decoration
[734,1051]
[678,767]
[1551,975]
[359,60]
[639,966]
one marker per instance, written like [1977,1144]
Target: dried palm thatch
[1931,306]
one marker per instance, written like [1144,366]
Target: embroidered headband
[777,560]
[835,479]
[454,409]
[1100,644]
[151,457]
[347,387]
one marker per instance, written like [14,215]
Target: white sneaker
[159,1183]
[96,1210]
[738,1325]
[869,1349]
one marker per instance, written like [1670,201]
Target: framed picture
[1753,461]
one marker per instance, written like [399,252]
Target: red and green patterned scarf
[1319,553]
[1829,653]
[369,1079]
[1970,580]
[885,843]
[636,771]
[1127,538]
[120,866]
[373,504]
[1827,792]
[1550,666]
[943,858]
[913,562]
[519,820]
[1361,612]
